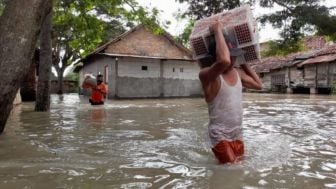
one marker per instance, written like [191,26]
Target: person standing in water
[222,86]
[99,91]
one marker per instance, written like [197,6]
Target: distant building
[140,64]
[306,72]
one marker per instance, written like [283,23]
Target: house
[272,73]
[140,64]
[319,71]
[279,74]
[305,72]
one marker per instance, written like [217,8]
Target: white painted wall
[132,67]
[174,69]
[95,67]
[99,66]
[129,69]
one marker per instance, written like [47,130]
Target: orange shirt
[98,95]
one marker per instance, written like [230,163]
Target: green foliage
[330,38]
[2,6]
[74,32]
[333,88]
[296,18]
[205,8]
[73,76]
[279,48]
[184,37]
[79,26]
[300,16]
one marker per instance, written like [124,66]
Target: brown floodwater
[290,143]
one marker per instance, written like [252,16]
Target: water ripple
[289,140]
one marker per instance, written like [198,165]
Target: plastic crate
[240,32]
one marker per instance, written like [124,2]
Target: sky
[170,8]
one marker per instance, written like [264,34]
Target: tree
[80,26]
[205,8]
[295,19]
[299,17]
[43,86]
[20,25]
[28,84]
[184,37]
[278,48]
[2,5]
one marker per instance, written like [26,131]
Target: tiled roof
[318,59]
[272,63]
[331,49]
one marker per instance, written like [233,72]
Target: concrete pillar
[289,90]
[116,95]
[161,79]
[313,90]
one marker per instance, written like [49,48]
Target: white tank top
[226,113]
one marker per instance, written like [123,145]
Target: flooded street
[290,143]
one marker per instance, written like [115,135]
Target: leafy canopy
[81,25]
[296,18]
[2,6]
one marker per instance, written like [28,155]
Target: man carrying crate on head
[222,85]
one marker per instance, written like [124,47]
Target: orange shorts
[229,152]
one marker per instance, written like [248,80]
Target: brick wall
[143,42]
[315,42]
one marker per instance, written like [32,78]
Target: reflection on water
[290,143]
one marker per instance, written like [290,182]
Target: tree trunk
[20,24]
[43,86]
[60,82]
[28,85]
[60,72]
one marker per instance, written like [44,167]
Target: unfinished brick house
[140,64]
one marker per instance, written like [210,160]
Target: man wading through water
[222,86]
[99,91]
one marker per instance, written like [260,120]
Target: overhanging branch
[283,5]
